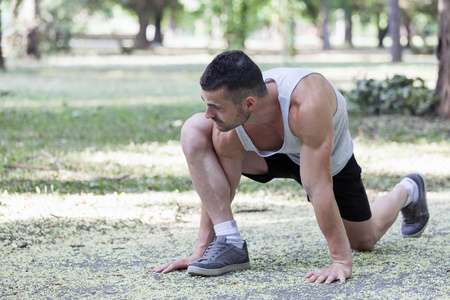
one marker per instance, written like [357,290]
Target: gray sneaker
[415,215]
[220,258]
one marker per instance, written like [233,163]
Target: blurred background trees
[32,28]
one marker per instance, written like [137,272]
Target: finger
[330,279]
[168,269]
[312,278]
[172,266]
[320,279]
[342,278]
[312,274]
[160,268]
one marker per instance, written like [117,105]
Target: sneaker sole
[417,234]
[214,272]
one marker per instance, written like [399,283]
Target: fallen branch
[121,177]
[25,166]
[252,210]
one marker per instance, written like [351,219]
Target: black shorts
[348,188]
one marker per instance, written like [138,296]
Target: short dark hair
[237,73]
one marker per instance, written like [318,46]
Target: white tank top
[286,80]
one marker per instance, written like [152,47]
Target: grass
[112,196]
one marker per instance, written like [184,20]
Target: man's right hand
[177,264]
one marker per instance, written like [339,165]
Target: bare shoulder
[314,91]
[313,104]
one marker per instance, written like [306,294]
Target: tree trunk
[287,29]
[158,10]
[407,22]
[2,62]
[142,41]
[33,43]
[382,34]
[348,27]
[243,28]
[443,83]
[290,34]
[158,39]
[33,33]
[394,30]
[325,17]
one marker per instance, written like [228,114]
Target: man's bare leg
[212,179]
[215,167]
[364,235]
[216,161]
[409,197]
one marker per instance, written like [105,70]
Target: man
[285,123]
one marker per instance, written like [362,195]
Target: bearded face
[224,113]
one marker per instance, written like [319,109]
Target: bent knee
[196,134]
[363,245]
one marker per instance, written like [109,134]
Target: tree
[325,16]
[33,33]
[419,17]
[158,13]
[286,12]
[42,26]
[2,62]
[236,23]
[145,10]
[142,9]
[394,30]
[443,83]
[348,23]
[350,7]
[238,18]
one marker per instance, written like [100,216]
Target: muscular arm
[311,119]
[316,177]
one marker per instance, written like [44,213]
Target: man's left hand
[337,271]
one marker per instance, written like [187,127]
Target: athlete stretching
[283,123]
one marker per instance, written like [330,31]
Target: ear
[250,103]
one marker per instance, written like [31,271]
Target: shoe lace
[213,250]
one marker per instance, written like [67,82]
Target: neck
[268,110]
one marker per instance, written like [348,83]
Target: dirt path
[72,259]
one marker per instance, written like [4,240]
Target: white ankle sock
[412,188]
[230,230]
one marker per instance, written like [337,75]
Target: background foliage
[237,20]
[397,95]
